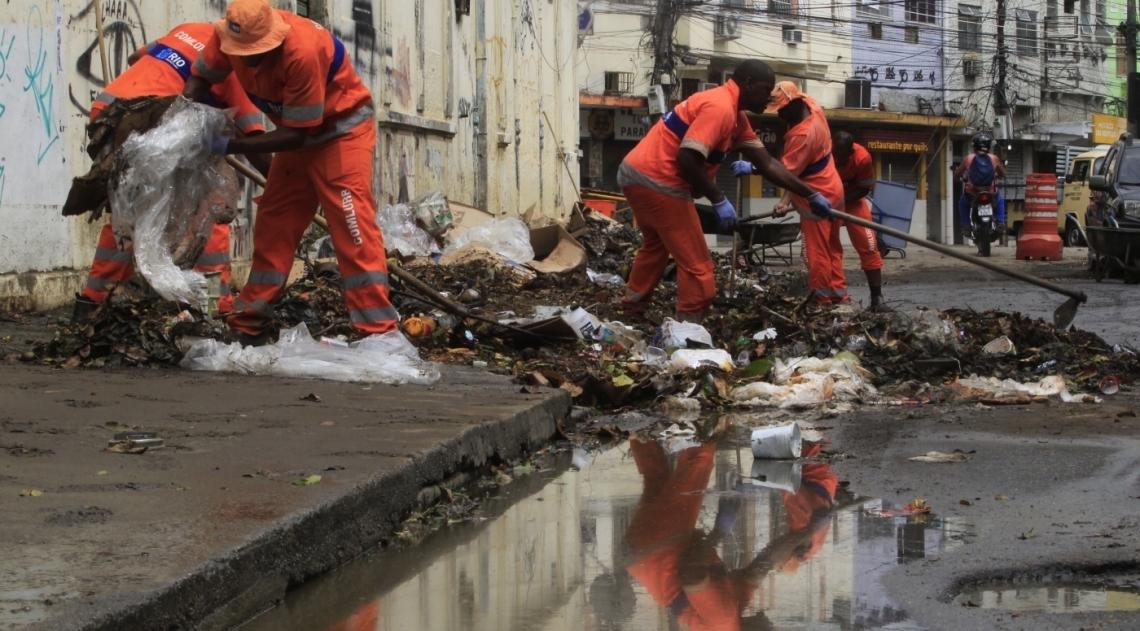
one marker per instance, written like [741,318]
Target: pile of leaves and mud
[766,332]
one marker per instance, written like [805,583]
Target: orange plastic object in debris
[604,206]
[419,326]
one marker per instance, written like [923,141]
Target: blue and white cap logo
[235,27]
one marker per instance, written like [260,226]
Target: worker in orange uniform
[298,74]
[857,171]
[807,153]
[161,68]
[677,160]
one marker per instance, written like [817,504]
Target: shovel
[1062,317]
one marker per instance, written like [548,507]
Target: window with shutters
[876,30]
[969,27]
[911,34]
[1026,32]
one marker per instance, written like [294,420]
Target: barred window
[969,27]
[920,11]
[1026,32]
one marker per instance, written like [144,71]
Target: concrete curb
[235,586]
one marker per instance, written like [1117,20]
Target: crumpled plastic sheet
[674,334]
[401,233]
[166,193]
[432,212]
[509,238]
[994,388]
[930,332]
[383,358]
[808,382]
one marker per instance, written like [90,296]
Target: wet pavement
[644,537]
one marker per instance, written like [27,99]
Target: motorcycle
[985,232]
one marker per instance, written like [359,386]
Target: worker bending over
[161,68]
[807,153]
[677,160]
[857,172]
[299,75]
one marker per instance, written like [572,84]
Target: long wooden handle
[246,170]
[102,43]
[951,252]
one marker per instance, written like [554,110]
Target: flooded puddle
[1051,598]
[641,539]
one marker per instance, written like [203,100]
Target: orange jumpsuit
[308,82]
[711,123]
[817,492]
[858,173]
[162,71]
[807,154]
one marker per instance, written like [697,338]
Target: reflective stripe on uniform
[364,279]
[250,120]
[98,284]
[380,314]
[260,306]
[343,126]
[225,291]
[208,73]
[106,97]
[214,258]
[114,256]
[258,277]
[302,113]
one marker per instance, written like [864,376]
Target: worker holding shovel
[677,161]
[857,171]
[299,75]
[161,69]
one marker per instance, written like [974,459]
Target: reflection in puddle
[1052,599]
[641,539]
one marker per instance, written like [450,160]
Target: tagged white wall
[460,107]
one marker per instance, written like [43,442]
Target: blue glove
[725,215]
[218,144]
[820,207]
[743,167]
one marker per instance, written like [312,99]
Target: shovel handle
[951,252]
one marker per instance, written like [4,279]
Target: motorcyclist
[989,168]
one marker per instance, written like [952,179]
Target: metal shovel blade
[1064,314]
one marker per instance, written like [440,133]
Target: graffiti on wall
[899,76]
[399,72]
[362,38]
[40,84]
[123,33]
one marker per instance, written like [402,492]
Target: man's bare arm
[693,171]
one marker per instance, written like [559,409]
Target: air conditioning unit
[727,26]
[857,93]
[701,87]
[793,36]
[971,68]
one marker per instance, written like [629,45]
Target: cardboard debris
[555,251]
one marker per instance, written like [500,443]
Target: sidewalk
[211,529]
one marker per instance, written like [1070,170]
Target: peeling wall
[491,148]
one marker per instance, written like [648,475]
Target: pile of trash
[543,305]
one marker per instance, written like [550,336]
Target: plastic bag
[807,382]
[398,225]
[930,332]
[432,212]
[693,358]
[510,238]
[166,192]
[384,358]
[674,334]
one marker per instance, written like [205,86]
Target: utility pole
[1129,30]
[663,27]
[1000,104]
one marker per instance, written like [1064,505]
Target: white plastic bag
[398,225]
[384,358]
[166,193]
[510,238]
[674,334]
[694,358]
[432,212]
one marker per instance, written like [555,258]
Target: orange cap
[251,27]
[782,95]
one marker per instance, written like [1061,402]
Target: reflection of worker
[857,172]
[161,68]
[807,153]
[297,73]
[678,564]
[678,159]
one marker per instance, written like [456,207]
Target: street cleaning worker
[979,172]
[299,75]
[857,172]
[807,153]
[677,160]
[161,68]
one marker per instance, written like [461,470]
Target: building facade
[476,98]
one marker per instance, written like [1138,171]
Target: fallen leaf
[622,381]
[937,456]
[101,473]
[328,423]
[965,502]
[117,427]
[574,390]
[309,481]
[1026,535]
[1002,497]
[182,488]
[127,447]
[31,493]
[311,397]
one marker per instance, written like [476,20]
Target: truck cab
[1077,195]
[1117,187]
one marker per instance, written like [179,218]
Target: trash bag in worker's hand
[167,191]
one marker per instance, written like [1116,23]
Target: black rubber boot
[879,305]
[84,307]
